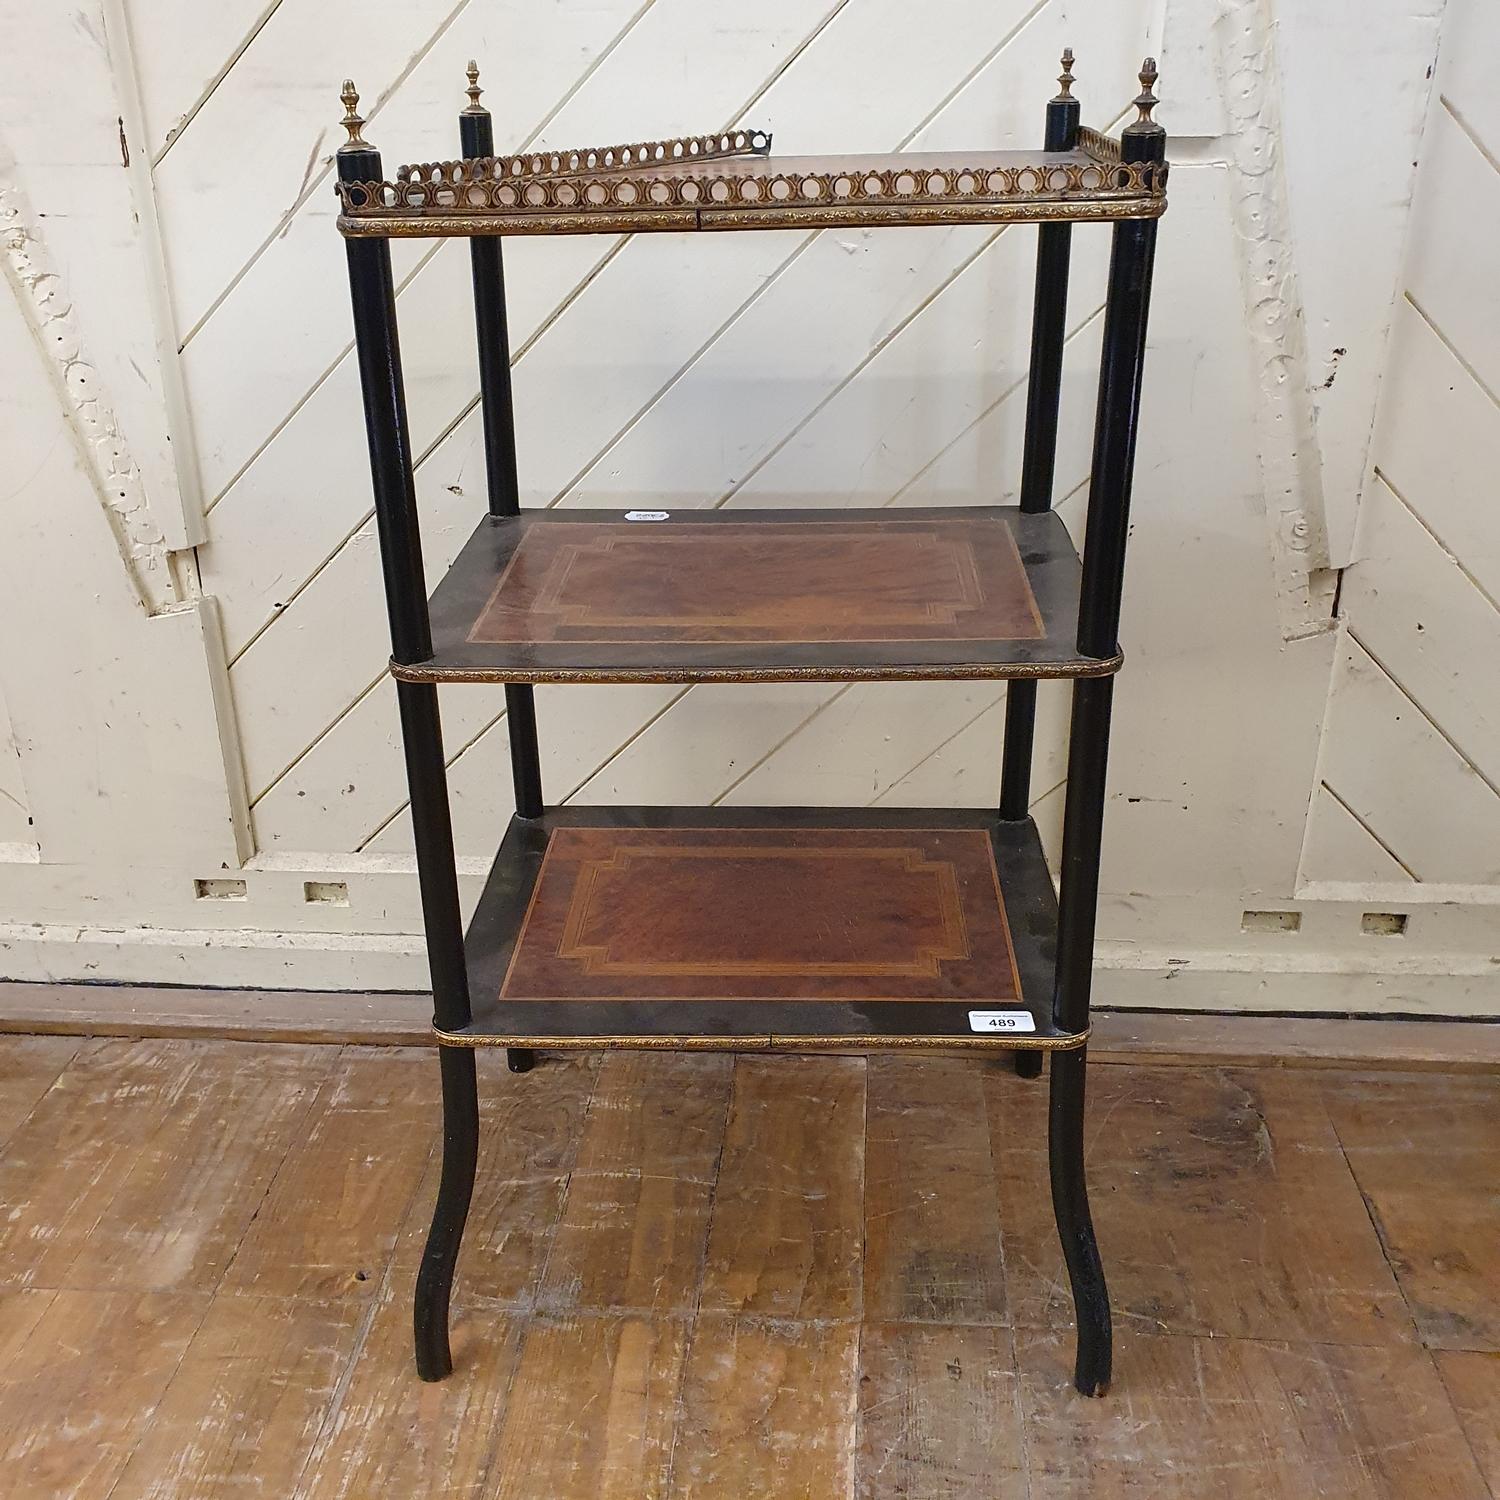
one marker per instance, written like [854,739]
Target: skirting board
[1157,1037]
[1315,981]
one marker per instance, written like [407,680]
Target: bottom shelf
[776,928]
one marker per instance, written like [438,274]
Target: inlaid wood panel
[807,580]
[698,595]
[760,913]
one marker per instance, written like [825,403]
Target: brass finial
[353,121]
[1146,101]
[474,91]
[1066,76]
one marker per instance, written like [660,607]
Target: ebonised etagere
[775,928]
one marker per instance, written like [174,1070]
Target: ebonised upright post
[1043,395]
[379,354]
[1121,360]
[476,132]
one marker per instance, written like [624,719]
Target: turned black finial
[1146,101]
[1065,78]
[474,91]
[353,121]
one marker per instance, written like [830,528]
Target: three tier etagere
[781,929]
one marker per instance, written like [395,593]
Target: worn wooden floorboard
[1238,1419]
[33,1064]
[525,1154]
[142,1167]
[785,1235]
[330,1220]
[932,1214]
[1440,1228]
[634,1228]
[701,1276]
[1223,1204]
[1473,1385]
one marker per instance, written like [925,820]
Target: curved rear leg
[520,1059]
[1028,1064]
[455,1190]
[1070,1204]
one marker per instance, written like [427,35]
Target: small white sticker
[646,515]
[1001,1020]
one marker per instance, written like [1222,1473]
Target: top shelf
[731,181]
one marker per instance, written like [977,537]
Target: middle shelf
[759,596]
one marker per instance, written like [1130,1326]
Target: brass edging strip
[389,224]
[765,1043]
[1104,666]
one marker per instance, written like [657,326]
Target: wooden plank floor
[700,1276]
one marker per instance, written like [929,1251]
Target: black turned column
[1122,358]
[1043,395]
[476,130]
[379,353]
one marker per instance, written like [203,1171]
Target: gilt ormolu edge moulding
[779,929]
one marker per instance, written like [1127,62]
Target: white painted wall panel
[1264,751]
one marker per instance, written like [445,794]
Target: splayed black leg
[1027,1064]
[1070,1203]
[455,1189]
[520,1059]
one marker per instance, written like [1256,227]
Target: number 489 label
[1001,1020]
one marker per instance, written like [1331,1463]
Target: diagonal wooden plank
[1437,443]
[215,217]
[1416,608]
[939,1414]
[610,1437]
[1457,205]
[932,1251]
[1249,1187]
[32,1065]
[1378,745]
[570,79]
[767,1411]
[182,53]
[581,728]
[784,1240]
[1339,846]
[1471,33]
